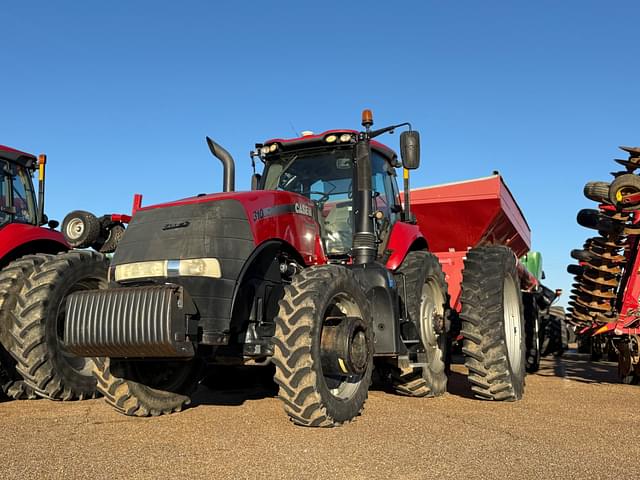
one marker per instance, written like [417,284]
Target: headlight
[141,270]
[273,147]
[345,137]
[200,267]
[193,267]
[330,138]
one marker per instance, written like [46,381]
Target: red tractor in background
[38,270]
[320,270]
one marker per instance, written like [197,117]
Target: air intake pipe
[229,181]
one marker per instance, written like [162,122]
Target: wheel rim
[512,323]
[431,312]
[342,387]
[75,228]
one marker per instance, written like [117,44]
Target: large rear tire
[427,305]
[493,324]
[147,388]
[321,300]
[39,324]
[12,279]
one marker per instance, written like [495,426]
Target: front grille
[148,321]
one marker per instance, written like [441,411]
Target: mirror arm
[380,131]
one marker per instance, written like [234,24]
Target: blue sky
[120,95]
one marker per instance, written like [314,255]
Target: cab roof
[318,140]
[16,156]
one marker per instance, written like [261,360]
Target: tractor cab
[17,196]
[321,168]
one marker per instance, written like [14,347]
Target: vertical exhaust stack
[229,166]
[42,161]
[364,237]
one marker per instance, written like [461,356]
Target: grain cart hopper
[605,298]
[319,270]
[478,214]
[37,272]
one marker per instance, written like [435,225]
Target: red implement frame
[457,216]
[628,320]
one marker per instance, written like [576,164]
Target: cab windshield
[326,178]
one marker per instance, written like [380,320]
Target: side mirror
[255,181]
[410,149]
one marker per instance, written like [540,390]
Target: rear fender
[31,248]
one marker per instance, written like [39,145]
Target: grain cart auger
[604,306]
[37,272]
[319,269]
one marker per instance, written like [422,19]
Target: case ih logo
[299,208]
[171,226]
[303,209]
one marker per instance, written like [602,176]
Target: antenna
[294,129]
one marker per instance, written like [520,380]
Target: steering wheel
[324,196]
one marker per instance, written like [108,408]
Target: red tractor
[319,270]
[37,272]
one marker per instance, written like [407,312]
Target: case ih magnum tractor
[37,272]
[319,270]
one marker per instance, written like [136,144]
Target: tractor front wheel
[143,388]
[493,324]
[323,347]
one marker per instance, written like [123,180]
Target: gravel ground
[575,421]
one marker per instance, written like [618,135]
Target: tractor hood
[221,225]
[221,234]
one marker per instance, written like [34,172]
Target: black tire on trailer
[427,306]
[624,185]
[493,324]
[320,302]
[532,332]
[12,278]
[116,232]
[597,191]
[80,229]
[39,325]
[147,388]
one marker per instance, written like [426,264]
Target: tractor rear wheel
[12,279]
[423,273]
[39,325]
[493,324]
[323,347]
[147,388]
